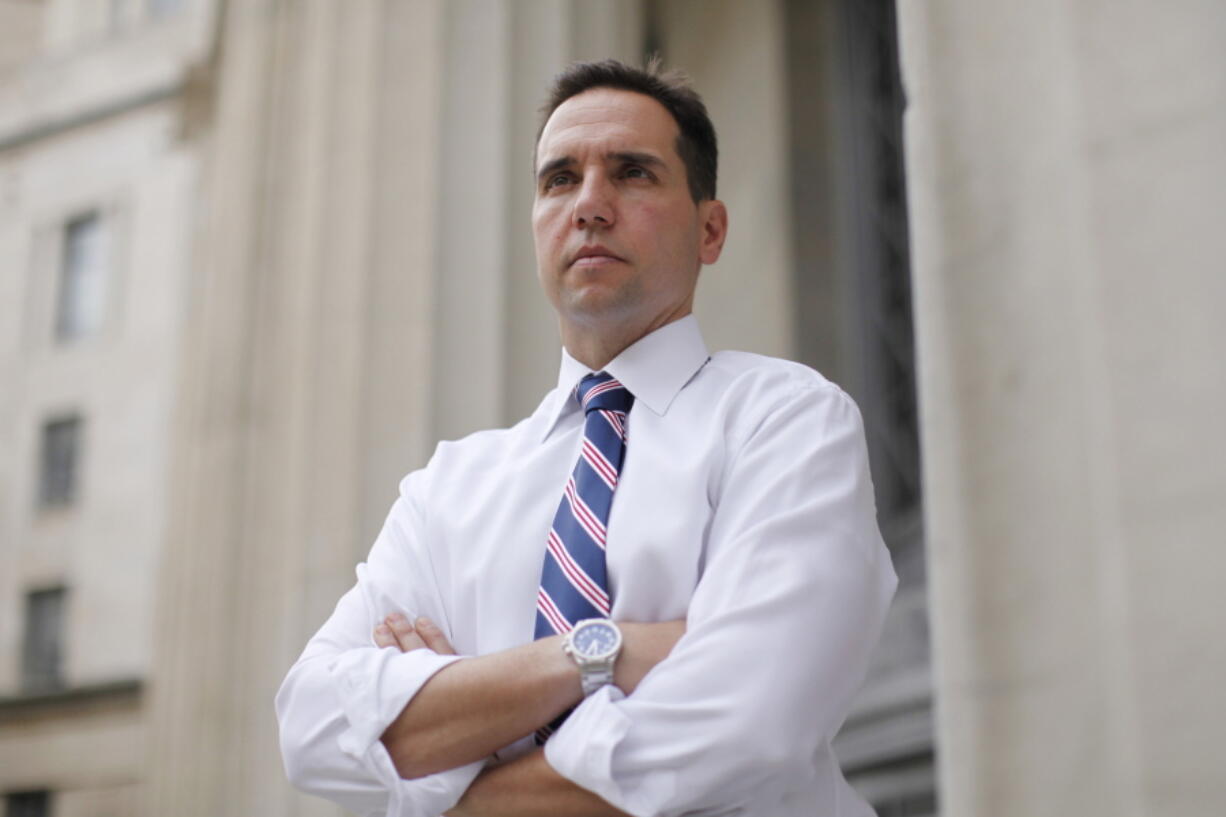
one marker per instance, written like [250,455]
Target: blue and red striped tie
[574,579]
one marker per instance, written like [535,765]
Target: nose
[594,203]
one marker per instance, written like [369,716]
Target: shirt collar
[654,368]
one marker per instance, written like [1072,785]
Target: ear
[713,216]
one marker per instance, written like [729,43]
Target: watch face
[595,639]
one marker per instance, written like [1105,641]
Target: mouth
[594,255]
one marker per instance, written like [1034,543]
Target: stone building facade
[97,210]
[257,257]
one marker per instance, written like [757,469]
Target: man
[718,521]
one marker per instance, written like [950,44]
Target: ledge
[88,114]
[71,701]
[56,93]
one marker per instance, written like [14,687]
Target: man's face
[619,240]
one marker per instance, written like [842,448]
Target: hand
[397,631]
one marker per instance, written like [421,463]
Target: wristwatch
[593,645]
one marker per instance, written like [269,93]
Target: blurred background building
[258,256]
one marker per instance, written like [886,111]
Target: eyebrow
[623,156]
[635,158]
[552,165]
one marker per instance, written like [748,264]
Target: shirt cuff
[424,796]
[582,751]
[374,685]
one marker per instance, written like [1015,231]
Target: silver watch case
[595,661]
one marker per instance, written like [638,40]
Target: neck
[595,352]
[595,349]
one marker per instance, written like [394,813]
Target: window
[42,652]
[81,306]
[27,804]
[59,462]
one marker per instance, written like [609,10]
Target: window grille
[42,655]
[59,462]
[81,306]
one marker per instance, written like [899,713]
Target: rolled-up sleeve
[343,691]
[779,631]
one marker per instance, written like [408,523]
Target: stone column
[735,53]
[365,285]
[497,346]
[303,390]
[1067,183]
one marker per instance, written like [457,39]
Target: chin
[590,306]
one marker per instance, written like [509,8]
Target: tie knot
[602,391]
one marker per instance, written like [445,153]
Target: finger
[434,637]
[407,637]
[412,641]
[385,638]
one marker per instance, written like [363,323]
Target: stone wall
[1067,184]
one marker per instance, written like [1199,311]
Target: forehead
[606,120]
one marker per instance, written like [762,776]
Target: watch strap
[593,678]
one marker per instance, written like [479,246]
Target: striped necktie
[574,581]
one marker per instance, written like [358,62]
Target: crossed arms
[472,708]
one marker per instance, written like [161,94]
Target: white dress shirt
[744,506]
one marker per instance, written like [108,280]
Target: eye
[557,180]
[636,172]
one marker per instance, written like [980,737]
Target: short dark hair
[696,143]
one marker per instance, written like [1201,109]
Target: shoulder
[480,454]
[756,397]
[764,381]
